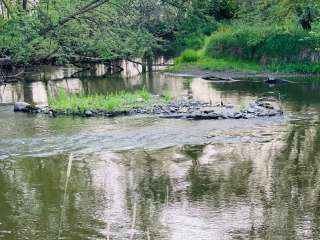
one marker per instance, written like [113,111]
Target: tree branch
[90,6]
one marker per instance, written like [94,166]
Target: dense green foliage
[267,32]
[67,30]
[64,30]
[266,35]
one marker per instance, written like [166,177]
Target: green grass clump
[113,102]
[229,64]
[218,64]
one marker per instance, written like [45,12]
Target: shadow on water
[150,178]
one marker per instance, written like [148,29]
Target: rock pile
[192,110]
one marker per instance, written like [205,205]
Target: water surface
[148,178]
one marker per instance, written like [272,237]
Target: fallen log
[10,78]
[218,78]
[153,65]
[15,76]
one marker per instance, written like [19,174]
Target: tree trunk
[150,63]
[2,9]
[24,5]
[7,7]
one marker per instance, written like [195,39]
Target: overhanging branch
[89,7]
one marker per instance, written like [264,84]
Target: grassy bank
[229,64]
[257,49]
[116,102]
[215,64]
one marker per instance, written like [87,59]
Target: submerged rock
[275,80]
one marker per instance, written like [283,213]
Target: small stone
[183,110]
[45,110]
[238,115]
[251,110]
[172,109]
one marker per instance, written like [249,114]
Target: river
[141,177]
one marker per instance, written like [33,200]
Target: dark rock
[6,61]
[22,107]
[238,115]
[266,99]
[172,109]
[51,113]
[88,113]
[202,116]
[173,116]
[264,105]
[274,80]
[223,115]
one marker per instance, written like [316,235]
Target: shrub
[188,56]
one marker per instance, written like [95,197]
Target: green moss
[121,101]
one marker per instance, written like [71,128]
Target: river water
[148,178]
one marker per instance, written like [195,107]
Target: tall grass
[120,101]
[256,48]
[265,44]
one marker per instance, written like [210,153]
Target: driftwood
[153,65]
[15,76]
[10,78]
[85,59]
[218,78]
